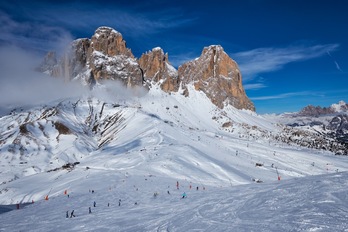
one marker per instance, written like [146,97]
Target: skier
[89,210]
[119,202]
[72,214]
[168,192]
[197,188]
[94,204]
[67,214]
[177,185]
[184,195]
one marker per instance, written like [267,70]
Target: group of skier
[183,196]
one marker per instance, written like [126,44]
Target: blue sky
[291,53]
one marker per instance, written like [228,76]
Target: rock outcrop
[106,57]
[218,76]
[316,111]
[156,68]
[109,58]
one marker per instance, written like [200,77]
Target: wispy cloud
[20,85]
[286,95]
[32,35]
[336,64]
[254,86]
[262,60]
[49,24]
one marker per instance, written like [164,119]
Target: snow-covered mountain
[241,171]
[186,138]
[236,171]
[329,123]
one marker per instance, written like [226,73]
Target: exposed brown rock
[106,57]
[110,42]
[156,68]
[227,124]
[315,111]
[218,76]
[109,58]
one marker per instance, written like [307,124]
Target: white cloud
[286,95]
[21,85]
[33,34]
[254,86]
[262,60]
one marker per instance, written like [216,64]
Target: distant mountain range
[316,111]
[329,122]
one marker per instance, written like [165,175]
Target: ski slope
[313,203]
[130,148]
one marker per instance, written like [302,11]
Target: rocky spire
[218,76]
[110,42]
[109,58]
[156,68]
[103,57]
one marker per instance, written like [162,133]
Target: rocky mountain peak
[110,42]
[157,68]
[341,106]
[106,56]
[316,111]
[218,76]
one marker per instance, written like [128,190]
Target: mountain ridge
[105,56]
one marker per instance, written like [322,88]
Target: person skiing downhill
[184,195]
[72,214]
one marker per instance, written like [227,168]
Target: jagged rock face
[71,64]
[218,76]
[156,68]
[74,61]
[104,56]
[110,42]
[109,58]
[315,111]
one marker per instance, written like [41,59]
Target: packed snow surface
[316,203]
[236,177]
